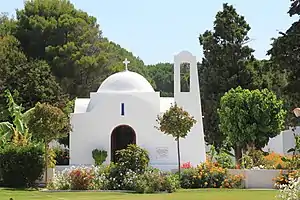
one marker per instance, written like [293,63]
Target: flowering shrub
[274,161]
[257,159]
[81,178]
[186,165]
[209,175]
[121,178]
[284,177]
[233,181]
[110,178]
[290,191]
[75,178]
[134,158]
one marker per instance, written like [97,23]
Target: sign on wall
[162,153]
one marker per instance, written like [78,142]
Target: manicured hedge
[21,166]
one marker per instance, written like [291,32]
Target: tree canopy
[249,118]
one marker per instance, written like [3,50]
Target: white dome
[125,81]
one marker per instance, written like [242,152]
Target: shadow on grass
[20,189]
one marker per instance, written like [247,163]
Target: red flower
[186,165]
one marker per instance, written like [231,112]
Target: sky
[156,30]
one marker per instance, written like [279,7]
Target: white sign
[162,153]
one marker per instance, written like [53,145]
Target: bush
[133,158]
[284,177]
[61,156]
[21,166]
[171,183]
[233,181]
[152,181]
[209,175]
[99,156]
[225,160]
[291,191]
[81,179]
[120,178]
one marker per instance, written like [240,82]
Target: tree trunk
[238,154]
[178,153]
[46,163]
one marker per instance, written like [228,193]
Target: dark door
[121,137]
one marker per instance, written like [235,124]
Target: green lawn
[212,194]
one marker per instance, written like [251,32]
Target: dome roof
[125,81]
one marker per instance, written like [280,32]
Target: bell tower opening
[185,81]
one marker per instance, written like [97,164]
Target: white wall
[283,142]
[93,129]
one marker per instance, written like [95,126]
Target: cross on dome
[126,62]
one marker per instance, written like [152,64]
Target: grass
[209,194]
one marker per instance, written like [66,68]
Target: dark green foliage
[224,65]
[35,81]
[21,166]
[61,156]
[162,75]
[134,158]
[285,54]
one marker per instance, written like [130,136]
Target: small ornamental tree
[47,123]
[249,119]
[177,123]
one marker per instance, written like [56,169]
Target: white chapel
[124,110]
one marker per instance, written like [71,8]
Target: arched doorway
[121,137]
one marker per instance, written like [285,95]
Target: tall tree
[67,38]
[47,123]
[35,82]
[285,53]
[72,44]
[224,65]
[162,75]
[249,118]
[7,25]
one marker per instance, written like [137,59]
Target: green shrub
[150,181]
[171,183]
[61,156]
[134,158]
[99,156]
[225,160]
[188,178]
[21,166]
[153,180]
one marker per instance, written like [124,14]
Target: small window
[122,109]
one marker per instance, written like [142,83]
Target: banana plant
[18,128]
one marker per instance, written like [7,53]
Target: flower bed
[210,175]
[111,177]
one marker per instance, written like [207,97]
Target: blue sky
[156,30]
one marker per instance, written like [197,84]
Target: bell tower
[191,102]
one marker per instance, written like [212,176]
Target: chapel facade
[124,110]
